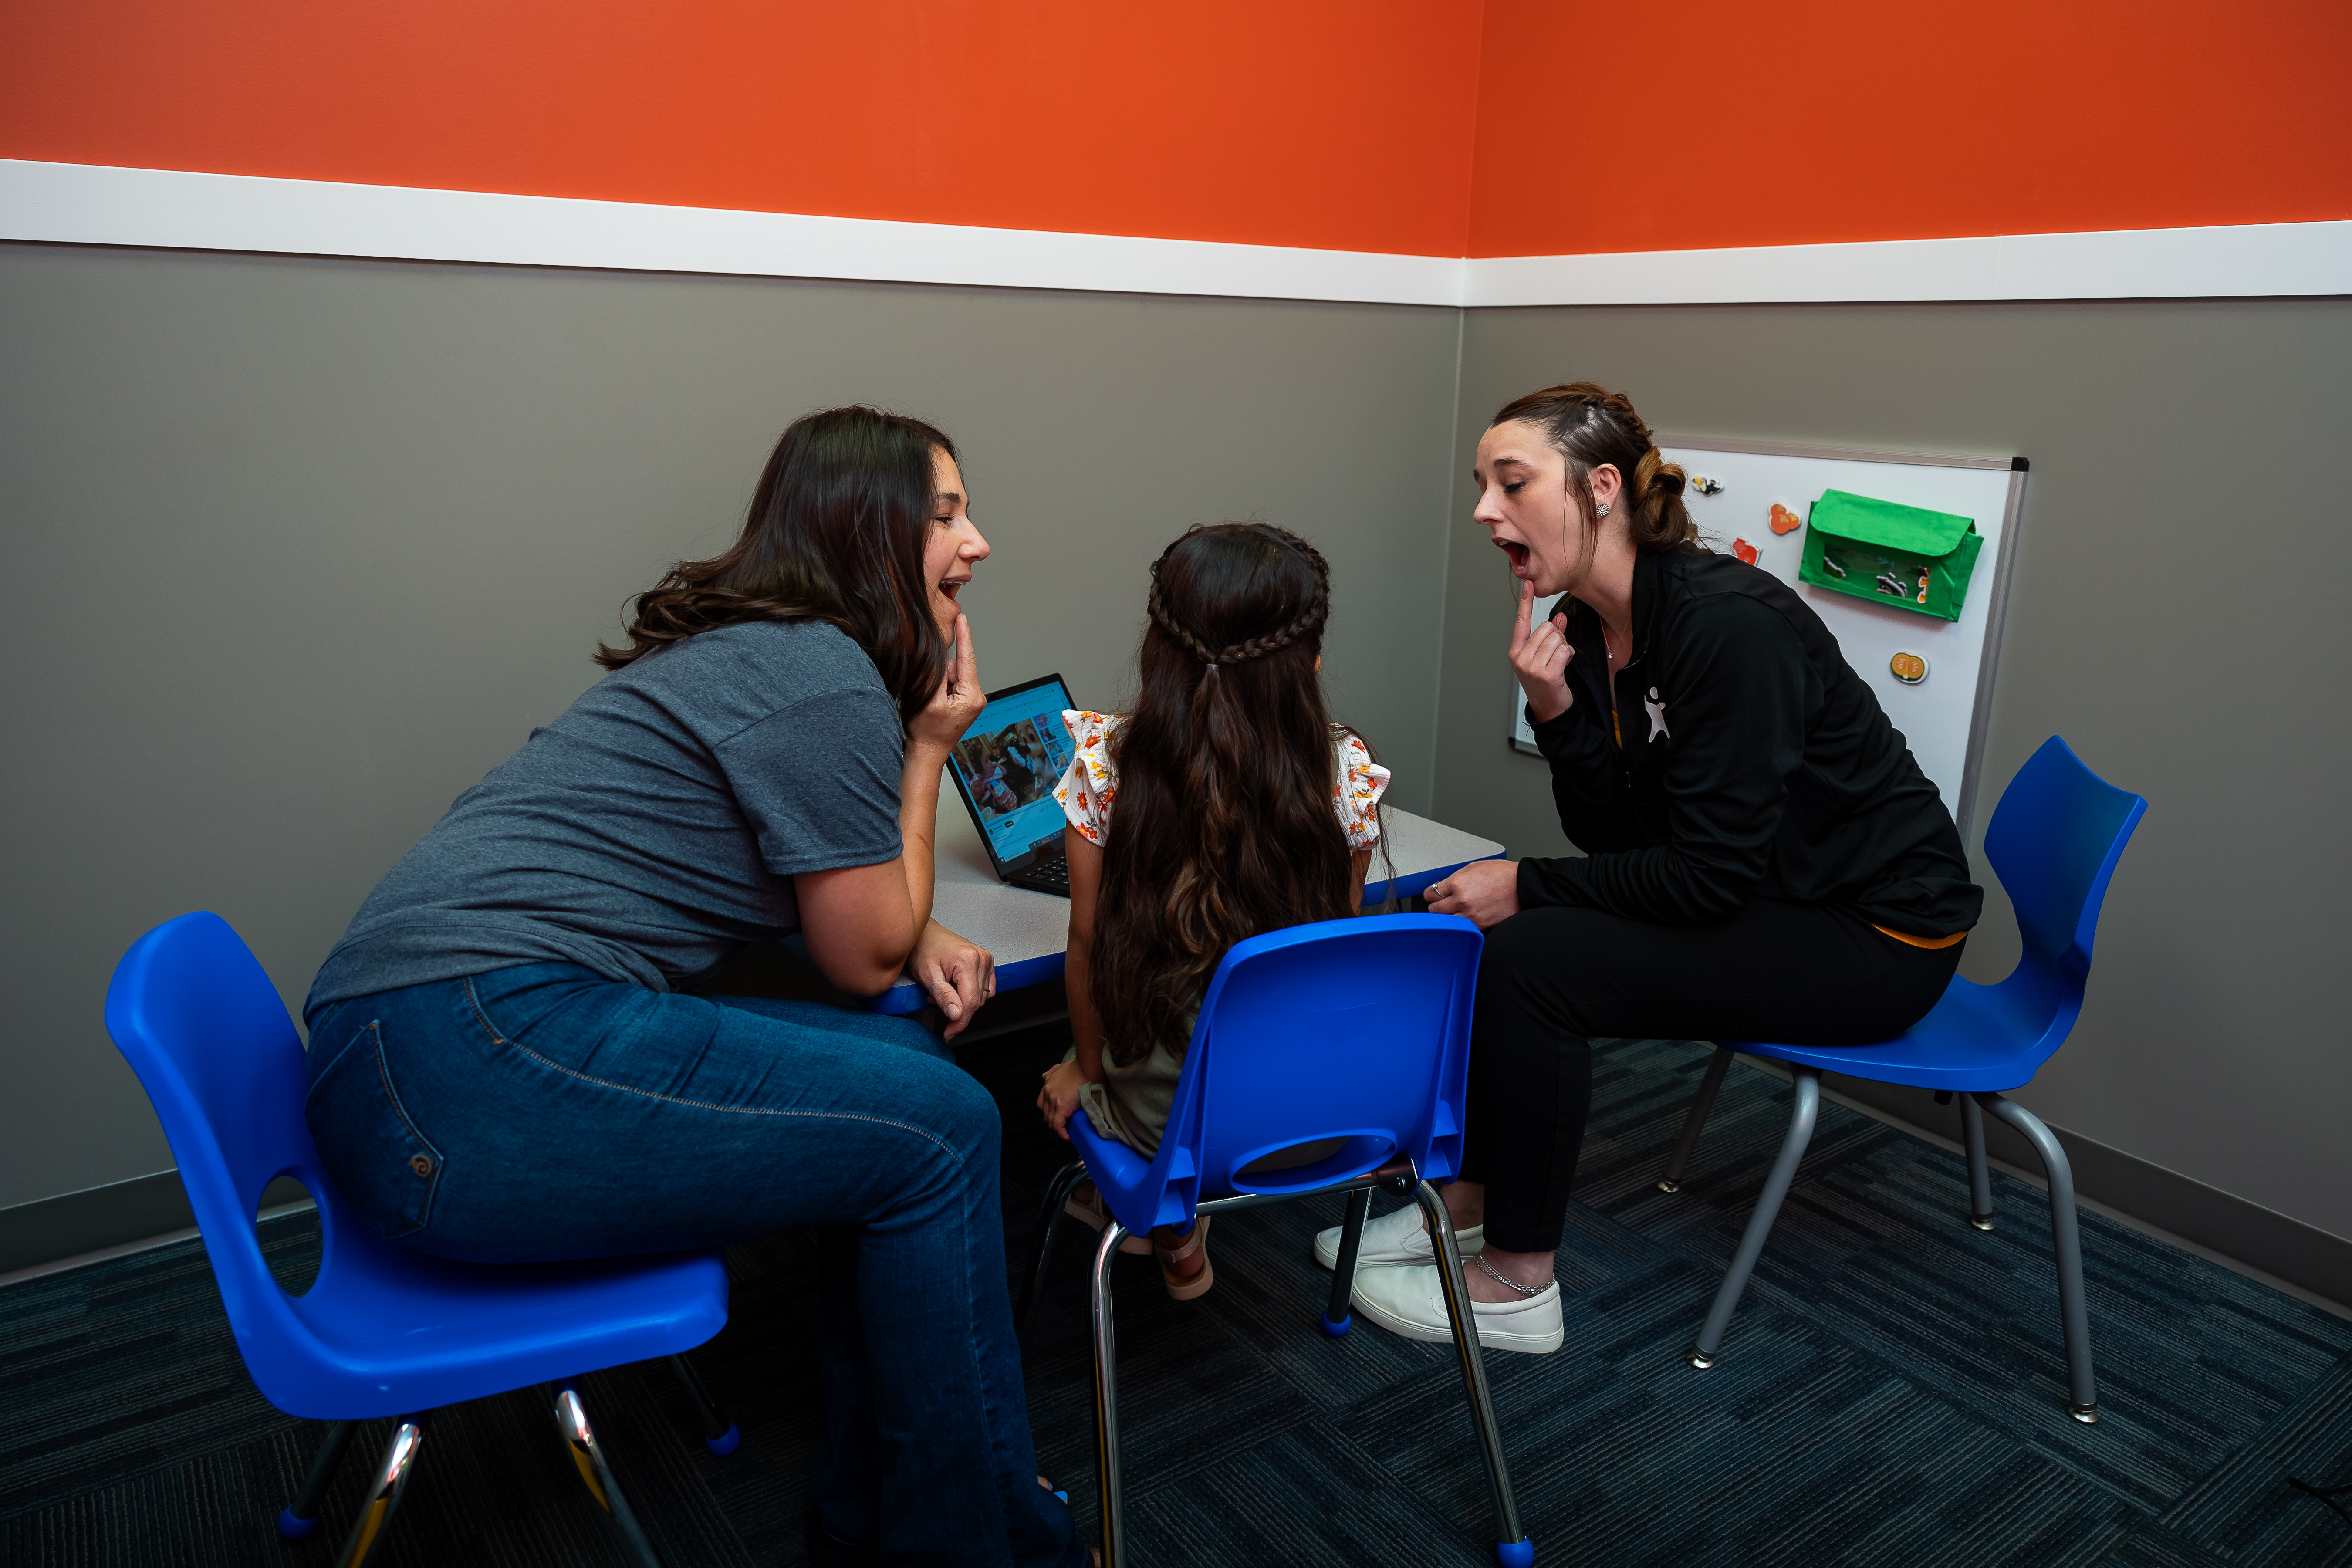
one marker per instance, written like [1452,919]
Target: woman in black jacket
[1763,859]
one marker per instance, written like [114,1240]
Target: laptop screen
[1006,766]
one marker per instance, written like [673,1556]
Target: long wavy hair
[835,533]
[1226,768]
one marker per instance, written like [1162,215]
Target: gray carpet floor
[1891,1391]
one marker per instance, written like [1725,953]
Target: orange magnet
[1910,668]
[1745,550]
[1784,520]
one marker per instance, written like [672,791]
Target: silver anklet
[1489,1271]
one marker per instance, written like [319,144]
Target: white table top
[1028,932]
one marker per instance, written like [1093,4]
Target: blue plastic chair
[382,1331]
[1357,1030]
[2054,841]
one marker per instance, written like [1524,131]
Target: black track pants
[1805,974]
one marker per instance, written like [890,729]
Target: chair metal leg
[300,1516]
[1107,1394]
[1701,1353]
[1512,1547]
[720,1434]
[1049,1221]
[1680,1161]
[385,1490]
[1979,1171]
[572,1422]
[1337,1319]
[2082,1389]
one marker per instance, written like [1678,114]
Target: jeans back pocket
[385,1168]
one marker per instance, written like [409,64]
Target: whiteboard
[1943,718]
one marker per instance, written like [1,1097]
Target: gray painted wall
[2176,616]
[297,549]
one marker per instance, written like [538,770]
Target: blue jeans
[542,1112]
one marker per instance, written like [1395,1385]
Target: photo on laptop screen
[1006,766]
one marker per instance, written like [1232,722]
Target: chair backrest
[196,1014]
[2055,840]
[1357,1030]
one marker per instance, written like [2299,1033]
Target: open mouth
[948,585]
[1518,554]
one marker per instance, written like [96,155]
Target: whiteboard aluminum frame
[1996,610]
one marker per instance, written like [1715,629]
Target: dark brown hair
[1226,825]
[835,533]
[1590,426]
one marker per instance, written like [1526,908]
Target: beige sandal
[1085,1203]
[1186,1286]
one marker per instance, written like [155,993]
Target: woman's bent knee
[962,1113]
[914,1036]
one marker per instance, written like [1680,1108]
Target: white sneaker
[1397,1236]
[1411,1302]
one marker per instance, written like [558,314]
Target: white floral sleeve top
[1090,784]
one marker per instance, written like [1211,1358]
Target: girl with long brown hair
[1241,807]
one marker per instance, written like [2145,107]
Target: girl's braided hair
[1227,771]
[1309,623]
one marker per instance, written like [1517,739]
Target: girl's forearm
[1084,858]
[919,826]
[1085,1024]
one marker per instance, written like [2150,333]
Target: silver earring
[1602,509]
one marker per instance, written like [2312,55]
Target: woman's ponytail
[1592,425]
[1660,520]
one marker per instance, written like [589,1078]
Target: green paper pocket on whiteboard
[1905,557]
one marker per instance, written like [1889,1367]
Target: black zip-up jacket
[1754,763]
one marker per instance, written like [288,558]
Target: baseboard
[97,1222]
[2309,1262]
[73,1228]
[50,1234]
[91,1220]
[100,1223]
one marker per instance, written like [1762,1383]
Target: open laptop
[1005,768]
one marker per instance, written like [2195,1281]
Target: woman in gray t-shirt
[507,1064]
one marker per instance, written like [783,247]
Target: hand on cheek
[1540,655]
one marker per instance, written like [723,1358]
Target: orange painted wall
[1662,124]
[1342,125]
[1673,124]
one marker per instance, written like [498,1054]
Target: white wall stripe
[88,203]
[2143,263]
[83,203]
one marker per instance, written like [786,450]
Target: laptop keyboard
[1047,877]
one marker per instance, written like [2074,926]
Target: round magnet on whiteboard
[1910,668]
[1745,550]
[1705,486]
[1784,520]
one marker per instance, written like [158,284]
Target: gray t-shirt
[655,827]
